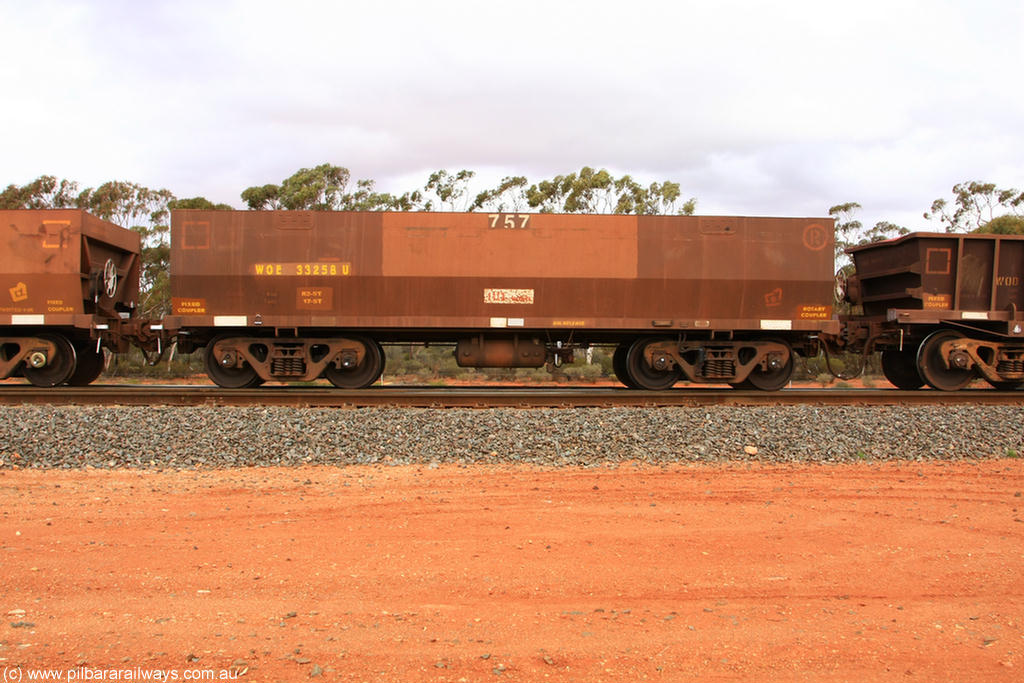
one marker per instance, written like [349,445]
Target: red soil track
[863,572]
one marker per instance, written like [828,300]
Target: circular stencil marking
[815,237]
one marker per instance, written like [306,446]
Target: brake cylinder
[500,353]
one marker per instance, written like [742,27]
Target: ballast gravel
[176,437]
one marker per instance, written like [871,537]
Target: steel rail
[483,397]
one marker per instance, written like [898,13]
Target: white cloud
[766,108]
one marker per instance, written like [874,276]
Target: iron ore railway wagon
[297,296]
[69,286]
[943,309]
[294,295]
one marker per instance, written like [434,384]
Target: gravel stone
[202,437]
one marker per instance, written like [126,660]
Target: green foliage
[45,192]
[449,189]
[409,201]
[850,232]
[366,199]
[262,197]
[655,199]
[847,227]
[129,205]
[171,366]
[884,230]
[597,191]
[201,203]
[588,191]
[315,189]
[974,205]
[322,188]
[155,283]
[1003,225]
[507,196]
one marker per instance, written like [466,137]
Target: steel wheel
[244,377]
[900,368]
[772,379]
[643,376]
[362,375]
[1011,385]
[58,369]
[88,367]
[619,366]
[932,367]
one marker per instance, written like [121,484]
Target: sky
[755,108]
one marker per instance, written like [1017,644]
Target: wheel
[1011,385]
[932,368]
[643,376]
[58,369]
[900,368]
[244,377]
[362,375]
[88,367]
[772,379]
[619,366]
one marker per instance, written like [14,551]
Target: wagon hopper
[300,295]
[943,309]
[68,283]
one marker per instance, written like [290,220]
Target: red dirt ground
[867,572]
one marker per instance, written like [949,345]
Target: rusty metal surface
[938,276]
[500,353]
[578,274]
[62,267]
[485,397]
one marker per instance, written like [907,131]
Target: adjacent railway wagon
[293,295]
[68,285]
[943,309]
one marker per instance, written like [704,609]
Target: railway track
[484,397]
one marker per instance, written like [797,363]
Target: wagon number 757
[509,221]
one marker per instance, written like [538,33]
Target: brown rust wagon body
[300,295]
[68,284]
[942,308]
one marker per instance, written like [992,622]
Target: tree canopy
[588,190]
[976,204]
[598,191]
[975,207]
[850,232]
[1004,225]
[45,192]
[323,188]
